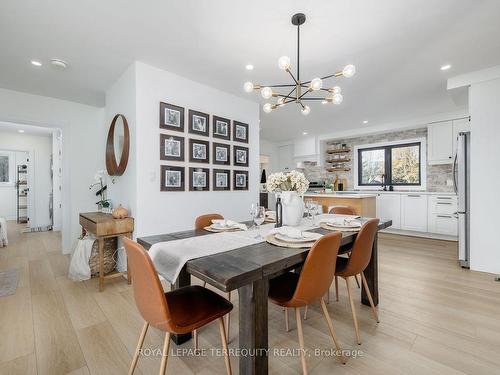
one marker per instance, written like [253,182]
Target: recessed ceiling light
[365,121]
[304,133]
[249,67]
[59,64]
[20,131]
[446,67]
[36,63]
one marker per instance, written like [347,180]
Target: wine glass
[313,210]
[259,217]
[253,212]
[308,207]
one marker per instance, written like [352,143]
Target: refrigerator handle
[455,174]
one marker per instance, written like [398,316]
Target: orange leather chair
[293,290]
[356,264]
[180,311]
[342,210]
[200,223]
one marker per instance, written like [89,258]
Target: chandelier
[300,90]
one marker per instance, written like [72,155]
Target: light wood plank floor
[435,318]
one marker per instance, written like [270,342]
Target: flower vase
[293,208]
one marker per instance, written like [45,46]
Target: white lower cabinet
[389,207]
[414,212]
[442,215]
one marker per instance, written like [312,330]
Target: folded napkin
[271,213]
[229,224]
[290,232]
[342,221]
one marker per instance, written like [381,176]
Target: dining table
[248,269]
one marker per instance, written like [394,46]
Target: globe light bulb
[280,101]
[267,107]
[349,71]
[337,98]
[266,92]
[306,110]
[248,86]
[336,90]
[284,62]
[316,84]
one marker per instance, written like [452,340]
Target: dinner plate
[218,226]
[307,237]
[342,225]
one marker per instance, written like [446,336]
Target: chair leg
[369,294]
[164,357]
[328,295]
[195,339]
[139,346]
[332,332]
[224,346]
[355,276]
[228,322]
[287,326]
[305,311]
[353,310]
[301,341]
[336,288]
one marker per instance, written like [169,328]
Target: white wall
[161,212]
[40,150]
[270,149]
[83,133]
[484,102]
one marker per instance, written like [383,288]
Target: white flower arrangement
[291,181]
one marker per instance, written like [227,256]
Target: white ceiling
[397,47]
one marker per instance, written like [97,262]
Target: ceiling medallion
[299,90]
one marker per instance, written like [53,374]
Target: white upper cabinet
[285,155]
[440,142]
[414,212]
[305,146]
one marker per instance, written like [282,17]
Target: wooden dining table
[249,269]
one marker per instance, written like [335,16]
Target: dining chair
[200,223]
[356,264]
[342,210]
[294,290]
[179,311]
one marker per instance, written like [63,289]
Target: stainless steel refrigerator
[461,178]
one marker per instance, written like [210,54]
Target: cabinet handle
[413,196]
[446,216]
[447,203]
[444,198]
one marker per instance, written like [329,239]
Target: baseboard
[410,233]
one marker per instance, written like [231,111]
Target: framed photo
[199,179]
[221,128]
[171,117]
[240,132]
[7,166]
[172,178]
[240,155]
[221,179]
[198,123]
[171,147]
[199,151]
[240,180]
[221,154]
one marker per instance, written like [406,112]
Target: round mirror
[117,146]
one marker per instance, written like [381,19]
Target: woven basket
[110,246]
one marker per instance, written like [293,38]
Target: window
[390,165]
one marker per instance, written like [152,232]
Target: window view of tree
[373,166]
[405,168]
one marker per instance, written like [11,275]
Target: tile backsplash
[437,175]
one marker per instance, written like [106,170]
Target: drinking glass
[259,217]
[308,207]
[314,210]
[253,212]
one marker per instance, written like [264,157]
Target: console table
[103,226]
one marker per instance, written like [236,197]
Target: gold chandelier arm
[291,75]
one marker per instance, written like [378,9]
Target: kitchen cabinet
[389,207]
[442,218]
[285,157]
[440,143]
[305,146]
[414,212]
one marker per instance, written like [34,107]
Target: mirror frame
[111,166]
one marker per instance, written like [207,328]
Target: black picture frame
[194,180]
[171,117]
[178,148]
[216,153]
[194,153]
[237,182]
[216,133]
[194,117]
[237,129]
[215,179]
[166,184]
[237,161]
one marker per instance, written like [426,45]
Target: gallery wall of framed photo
[201,151]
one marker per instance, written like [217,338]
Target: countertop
[334,195]
[373,193]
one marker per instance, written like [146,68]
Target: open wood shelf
[338,169]
[344,151]
[338,161]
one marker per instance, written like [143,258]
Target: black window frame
[388,164]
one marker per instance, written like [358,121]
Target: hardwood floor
[435,318]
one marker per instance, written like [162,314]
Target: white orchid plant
[291,181]
[101,190]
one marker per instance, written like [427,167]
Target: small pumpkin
[120,212]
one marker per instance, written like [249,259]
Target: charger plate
[215,230]
[270,238]
[338,229]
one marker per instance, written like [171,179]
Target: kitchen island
[363,204]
